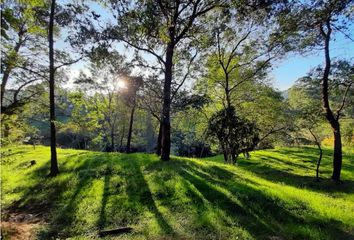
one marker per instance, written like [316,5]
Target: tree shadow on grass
[202,188]
[262,215]
[63,213]
[288,164]
[139,191]
[106,192]
[55,199]
[126,200]
[300,181]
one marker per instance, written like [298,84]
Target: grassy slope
[271,196]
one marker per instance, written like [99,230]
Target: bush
[235,135]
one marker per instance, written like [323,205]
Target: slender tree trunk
[158,145]
[54,170]
[227,91]
[166,108]
[130,128]
[112,139]
[122,137]
[226,157]
[5,77]
[6,130]
[320,157]
[337,155]
[234,157]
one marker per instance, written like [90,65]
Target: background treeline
[95,116]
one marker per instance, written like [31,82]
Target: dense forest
[185,85]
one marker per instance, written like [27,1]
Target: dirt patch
[20,226]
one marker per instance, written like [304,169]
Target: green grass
[273,195]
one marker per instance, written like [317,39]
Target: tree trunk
[234,157]
[54,170]
[158,146]
[166,108]
[112,139]
[5,77]
[122,137]
[226,157]
[337,155]
[130,129]
[320,157]
[227,91]
[6,130]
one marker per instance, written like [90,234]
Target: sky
[286,71]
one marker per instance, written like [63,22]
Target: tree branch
[343,101]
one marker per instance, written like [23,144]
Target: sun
[121,84]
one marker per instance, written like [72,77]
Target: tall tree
[313,24]
[54,169]
[327,17]
[62,16]
[239,60]
[340,84]
[161,29]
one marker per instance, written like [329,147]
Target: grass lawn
[272,195]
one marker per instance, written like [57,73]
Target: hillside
[273,195]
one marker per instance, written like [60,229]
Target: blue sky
[286,72]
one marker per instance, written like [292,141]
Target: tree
[82,126]
[316,22]
[62,17]
[234,134]
[340,80]
[176,23]
[54,169]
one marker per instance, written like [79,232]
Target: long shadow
[139,191]
[310,154]
[242,215]
[289,164]
[106,192]
[48,197]
[183,202]
[204,184]
[63,216]
[260,214]
[296,180]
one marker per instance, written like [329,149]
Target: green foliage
[305,102]
[272,195]
[235,135]
[266,107]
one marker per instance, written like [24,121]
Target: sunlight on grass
[271,195]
